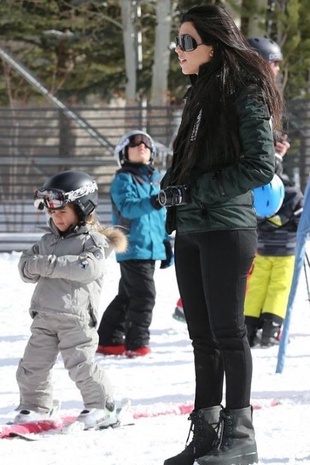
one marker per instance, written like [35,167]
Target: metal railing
[36,143]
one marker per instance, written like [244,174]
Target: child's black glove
[169,256]
[155,203]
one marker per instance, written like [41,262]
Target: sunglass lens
[186,42]
[189,43]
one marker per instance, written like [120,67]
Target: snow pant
[269,286]
[77,340]
[211,270]
[128,317]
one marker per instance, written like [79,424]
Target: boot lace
[226,431]
[194,419]
[198,430]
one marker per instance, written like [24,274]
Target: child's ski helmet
[269,198]
[133,138]
[74,187]
[269,49]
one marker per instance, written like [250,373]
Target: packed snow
[160,386]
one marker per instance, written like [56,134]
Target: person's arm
[282,145]
[25,258]
[257,162]
[127,201]
[83,268]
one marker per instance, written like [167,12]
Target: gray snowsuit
[68,270]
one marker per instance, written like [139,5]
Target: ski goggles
[137,139]
[57,199]
[186,43]
[275,63]
[53,199]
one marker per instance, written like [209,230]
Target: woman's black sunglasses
[186,43]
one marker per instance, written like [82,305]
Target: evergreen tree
[76,47]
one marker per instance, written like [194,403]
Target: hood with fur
[117,239]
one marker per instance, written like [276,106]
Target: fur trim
[117,238]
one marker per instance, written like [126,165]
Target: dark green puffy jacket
[222,199]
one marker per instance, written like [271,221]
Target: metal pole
[69,113]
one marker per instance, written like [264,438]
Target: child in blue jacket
[124,327]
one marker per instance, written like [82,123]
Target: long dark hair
[234,65]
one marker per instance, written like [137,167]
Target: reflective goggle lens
[186,43]
[137,139]
[51,199]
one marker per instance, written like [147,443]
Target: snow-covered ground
[156,385]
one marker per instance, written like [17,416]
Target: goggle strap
[71,196]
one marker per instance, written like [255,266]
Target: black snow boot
[252,335]
[237,445]
[270,333]
[205,427]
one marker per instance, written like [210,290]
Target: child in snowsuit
[271,275]
[67,264]
[124,327]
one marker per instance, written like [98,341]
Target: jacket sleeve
[126,199]
[26,257]
[83,268]
[257,162]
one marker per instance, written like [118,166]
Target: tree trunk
[159,94]
[130,50]
[234,12]
[257,23]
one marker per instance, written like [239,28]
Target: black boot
[204,426]
[270,333]
[252,335]
[252,326]
[237,445]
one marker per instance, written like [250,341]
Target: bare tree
[130,49]
[161,53]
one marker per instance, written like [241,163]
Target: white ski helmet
[268,199]
[74,187]
[135,138]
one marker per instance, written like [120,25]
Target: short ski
[64,425]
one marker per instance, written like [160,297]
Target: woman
[223,149]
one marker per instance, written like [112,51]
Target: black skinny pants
[211,269]
[128,317]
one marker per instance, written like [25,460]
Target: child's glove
[155,202]
[169,256]
[40,265]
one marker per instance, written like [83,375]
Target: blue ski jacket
[131,191]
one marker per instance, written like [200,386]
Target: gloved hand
[155,203]
[169,256]
[41,265]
